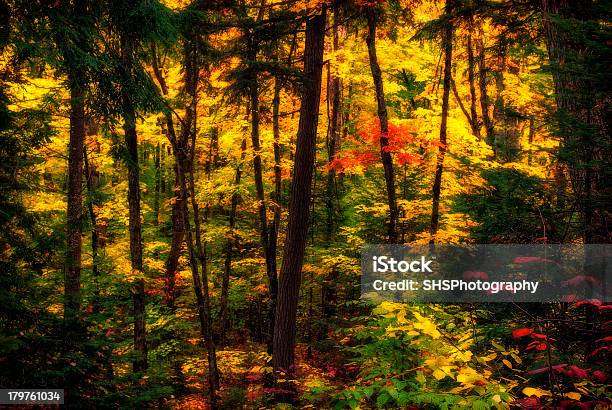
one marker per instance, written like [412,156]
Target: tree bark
[385,155]
[72,278]
[447,42]
[328,287]
[177,214]
[471,80]
[229,249]
[334,96]
[131,143]
[482,85]
[299,202]
[157,193]
[89,179]
[264,232]
[583,124]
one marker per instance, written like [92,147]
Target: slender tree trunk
[277,167]
[176,242]
[334,96]
[229,248]
[447,42]
[201,248]
[72,278]
[328,287]
[530,140]
[482,85]
[385,155]
[299,202]
[203,312]
[264,233]
[157,193]
[89,178]
[471,80]
[192,68]
[460,102]
[177,214]
[140,345]
[131,142]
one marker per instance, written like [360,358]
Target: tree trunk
[131,143]
[200,286]
[334,96]
[482,85]
[229,248]
[447,42]
[299,202]
[385,155]
[177,216]
[264,233]
[89,179]
[328,287]
[471,79]
[72,278]
[140,345]
[157,193]
[583,123]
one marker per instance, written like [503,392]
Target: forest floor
[243,369]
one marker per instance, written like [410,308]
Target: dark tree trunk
[187,183]
[299,202]
[264,233]
[157,193]
[176,242]
[447,43]
[328,287]
[471,79]
[177,215]
[72,278]
[582,114]
[131,143]
[385,155]
[201,249]
[229,248]
[334,97]
[90,183]
[140,345]
[482,85]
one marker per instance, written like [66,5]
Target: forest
[187,187]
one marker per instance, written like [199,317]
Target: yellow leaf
[532,391]
[507,363]
[439,374]
[573,395]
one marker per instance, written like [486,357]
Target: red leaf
[599,376]
[592,302]
[530,403]
[518,333]
[576,372]
[537,345]
[599,350]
